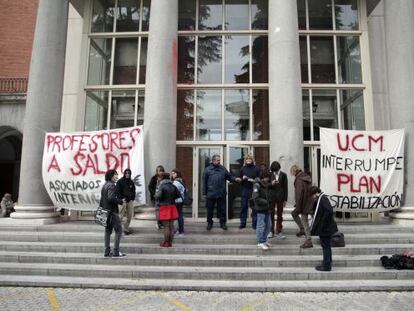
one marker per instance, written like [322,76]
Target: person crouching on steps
[324,225]
[165,197]
[262,206]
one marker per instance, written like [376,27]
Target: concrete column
[399,35]
[43,109]
[285,94]
[160,113]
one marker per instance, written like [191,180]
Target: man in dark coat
[110,201]
[302,184]
[323,225]
[126,190]
[278,196]
[214,188]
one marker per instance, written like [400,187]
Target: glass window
[99,61]
[210,15]
[143,60]
[96,110]
[262,156]
[349,60]
[302,14]
[186,57]
[127,17]
[236,115]
[324,110]
[304,59]
[122,109]
[306,115]
[209,59]
[185,114]
[260,9]
[103,16]
[237,15]
[125,62]
[237,59]
[346,14]
[352,109]
[260,66]
[322,60]
[146,14]
[260,108]
[140,110]
[184,163]
[186,15]
[320,14]
[209,115]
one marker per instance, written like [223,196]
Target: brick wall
[17,23]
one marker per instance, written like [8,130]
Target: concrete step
[231,249]
[198,238]
[188,260]
[210,285]
[203,273]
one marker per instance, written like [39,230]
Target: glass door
[203,159]
[235,155]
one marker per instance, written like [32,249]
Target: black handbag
[102,216]
[338,239]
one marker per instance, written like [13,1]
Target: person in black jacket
[152,188]
[279,195]
[165,197]
[126,190]
[323,225]
[110,201]
[249,172]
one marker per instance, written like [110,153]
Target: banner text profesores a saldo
[362,170]
[74,164]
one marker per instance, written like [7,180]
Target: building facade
[226,77]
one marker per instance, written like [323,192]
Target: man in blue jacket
[214,188]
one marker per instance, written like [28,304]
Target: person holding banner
[165,197]
[302,185]
[323,225]
[126,190]
[110,201]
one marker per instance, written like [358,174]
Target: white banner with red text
[362,170]
[74,164]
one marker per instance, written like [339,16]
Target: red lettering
[114,140]
[367,184]
[77,158]
[115,162]
[338,139]
[54,164]
[342,179]
[353,142]
[371,140]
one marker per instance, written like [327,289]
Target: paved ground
[20,298]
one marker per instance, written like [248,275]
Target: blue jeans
[327,251]
[114,224]
[254,219]
[221,207]
[263,226]
[180,217]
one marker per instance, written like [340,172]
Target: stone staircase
[71,255]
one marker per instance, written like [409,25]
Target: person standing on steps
[323,225]
[302,184]
[126,190]
[214,188]
[249,172]
[279,196]
[262,206]
[179,202]
[152,188]
[165,196]
[109,201]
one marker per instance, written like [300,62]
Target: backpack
[188,196]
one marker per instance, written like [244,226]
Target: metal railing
[13,85]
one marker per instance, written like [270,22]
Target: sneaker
[323,268]
[127,232]
[270,235]
[164,244]
[209,226]
[108,255]
[300,233]
[242,226]
[263,246]
[169,244]
[120,255]
[181,235]
[280,236]
[224,227]
[307,244]
[268,243]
